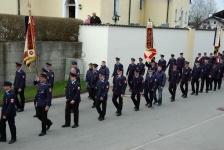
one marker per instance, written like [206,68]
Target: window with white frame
[186,17]
[175,15]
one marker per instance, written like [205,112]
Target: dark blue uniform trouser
[12,127]
[172,90]
[92,94]
[118,105]
[219,82]
[102,112]
[215,83]
[207,80]
[19,105]
[136,101]
[130,81]
[193,81]
[75,108]
[184,90]
[42,116]
[149,94]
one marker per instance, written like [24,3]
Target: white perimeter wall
[107,42]
[203,42]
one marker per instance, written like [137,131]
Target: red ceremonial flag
[30,46]
[150,52]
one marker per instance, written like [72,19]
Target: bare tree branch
[200,10]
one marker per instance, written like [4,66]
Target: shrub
[12,28]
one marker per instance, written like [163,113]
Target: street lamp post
[18,7]
[129,13]
[115,17]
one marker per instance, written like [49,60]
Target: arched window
[186,17]
[175,15]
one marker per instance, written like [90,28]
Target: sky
[220,4]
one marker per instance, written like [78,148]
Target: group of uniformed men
[205,69]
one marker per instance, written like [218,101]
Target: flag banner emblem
[30,46]
[217,36]
[150,52]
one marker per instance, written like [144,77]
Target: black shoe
[101,119]
[159,104]
[93,106]
[172,100]
[155,102]
[146,104]
[2,140]
[185,96]
[34,116]
[182,95]
[116,111]
[209,89]
[136,109]
[20,110]
[42,134]
[206,91]
[12,141]
[218,88]
[150,105]
[48,126]
[192,93]
[201,91]
[196,94]
[75,126]
[214,90]
[65,125]
[118,114]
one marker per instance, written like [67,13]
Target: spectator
[95,19]
[88,19]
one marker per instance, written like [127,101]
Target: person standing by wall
[95,19]
[119,91]
[87,21]
[8,113]
[72,102]
[19,87]
[160,78]
[137,89]
[101,96]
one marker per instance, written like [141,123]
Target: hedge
[12,28]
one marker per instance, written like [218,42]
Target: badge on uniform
[78,88]
[12,100]
[52,75]
[23,76]
[50,89]
[107,86]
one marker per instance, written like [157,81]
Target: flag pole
[34,46]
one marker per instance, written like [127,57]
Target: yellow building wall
[8,7]
[107,10]
[179,5]
[35,7]
[136,12]
[88,7]
[156,10]
[51,8]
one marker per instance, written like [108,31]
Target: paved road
[187,124]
